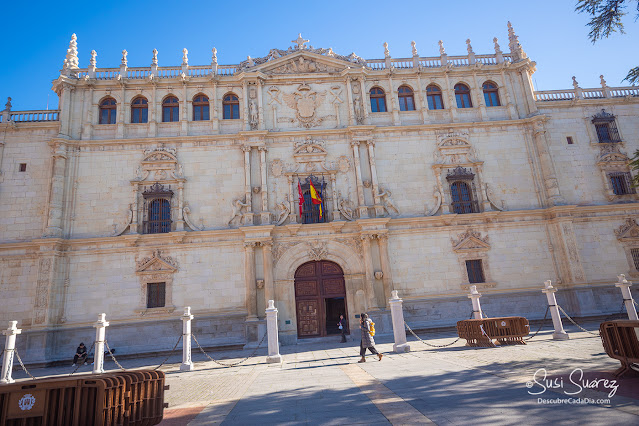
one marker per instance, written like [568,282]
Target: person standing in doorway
[366,326]
[342,327]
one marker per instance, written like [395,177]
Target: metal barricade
[620,339]
[482,332]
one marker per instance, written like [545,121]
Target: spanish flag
[316,198]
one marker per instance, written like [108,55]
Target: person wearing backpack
[367,326]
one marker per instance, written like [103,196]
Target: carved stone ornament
[343,164]
[454,148]
[309,151]
[259,284]
[158,164]
[379,275]
[470,240]
[156,263]
[629,230]
[305,101]
[611,154]
[318,250]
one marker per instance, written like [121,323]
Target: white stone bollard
[399,331]
[9,350]
[273,340]
[187,363]
[98,349]
[559,333]
[624,285]
[474,296]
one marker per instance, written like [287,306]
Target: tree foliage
[606,18]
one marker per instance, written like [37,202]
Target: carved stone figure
[124,60]
[284,210]
[387,202]
[214,56]
[386,51]
[253,114]
[238,205]
[442,51]
[413,46]
[185,56]
[154,60]
[344,207]
[438,202]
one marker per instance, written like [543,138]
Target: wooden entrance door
[315,282]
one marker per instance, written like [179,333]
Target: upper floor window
[475,271]
[155,295]
[621,183]
[606,127]
[434,97]
[313,209]
[378,100]
[464,199]
[406,98]
[140,110]
[462,95]
[157,202]
[200,108]
[491,95]
[230,107]
[170,109]
[108,108]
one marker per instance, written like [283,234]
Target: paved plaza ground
[320,382]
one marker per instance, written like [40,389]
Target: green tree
[607,19]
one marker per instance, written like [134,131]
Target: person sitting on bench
[80,354]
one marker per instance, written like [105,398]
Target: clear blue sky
[36,35]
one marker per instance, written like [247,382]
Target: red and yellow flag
[315,197]
[301,197]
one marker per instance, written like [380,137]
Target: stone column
[1,155]
[559,333]
[153,111]
[387,278]
[419,100]
[336,214]
[393,106]
[249,276]
[294,209]
[245,102]
[547,168]
[363,210]
[9,350]
[264,215]
[248,216]
[267,260]
[368,263]
[98,349]
[56,199]
[349,99]
[136,199]
[260,106]
[119,130]
[624,285]
[365,101]
[399,330]
[379,210]
[475,295]
[179,223]
[187,363]
[271,328]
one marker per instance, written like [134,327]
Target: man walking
[367,328]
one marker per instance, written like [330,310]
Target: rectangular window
[603,132]
[621,183]
[23,167]
[635,257]
[475,271]
[155,293]
[569,140]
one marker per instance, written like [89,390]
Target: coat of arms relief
[305,101]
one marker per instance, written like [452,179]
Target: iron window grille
[462,190]
[475,271]
[635,257]
[606,127]
[621,183]
[155,295]
[311,211]
[157,205]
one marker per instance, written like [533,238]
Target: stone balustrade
[600,93]
[34,116]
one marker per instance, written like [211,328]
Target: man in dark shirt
[80,354]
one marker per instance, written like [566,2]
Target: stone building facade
[155,188]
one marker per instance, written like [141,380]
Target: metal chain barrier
[484,314]
[235,363]
[112,356]
[577,325]
[22,365]
[430,344]
[609,317]
[170,353]
[543,322]
[80,364]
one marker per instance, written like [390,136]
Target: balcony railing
[599,93]
[35,116]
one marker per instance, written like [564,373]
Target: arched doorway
[320,298]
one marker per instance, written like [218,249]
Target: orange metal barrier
[506,330]
[620,340]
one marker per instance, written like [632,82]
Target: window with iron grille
[606,127]
[157,207]
[155,295]
[475,271]
[462,190]
[635,257]
[310,210]
[621,183]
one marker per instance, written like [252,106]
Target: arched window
[200,108]
[462,198]
[108,108]
[406,98]
[491,95]
[170,109]
[140,110]
[434,97]
[378,100]
[159,216]
[230,107]
[462,95]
